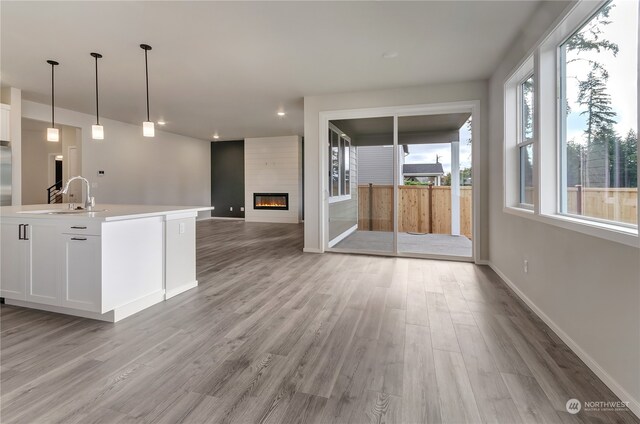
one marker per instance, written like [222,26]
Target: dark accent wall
[227,178]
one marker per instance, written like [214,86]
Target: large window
[599,142]
[339,165]
[525,140]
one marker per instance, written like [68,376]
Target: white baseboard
[183,288]
[312,250]
[114,315]
[137,305]
[107,316]
[223,218]
[634,404]
[343,236]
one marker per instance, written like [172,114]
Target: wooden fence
[375,207]
[416,212]
[616,204]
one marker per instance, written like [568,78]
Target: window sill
[336,199]
[615,233]
[519,211]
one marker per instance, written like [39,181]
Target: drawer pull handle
[79,238]
[76,227]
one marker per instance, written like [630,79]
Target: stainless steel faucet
[90,202]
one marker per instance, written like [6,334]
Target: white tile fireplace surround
[273,165]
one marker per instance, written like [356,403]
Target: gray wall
[344,215]
[227,178]
[376,165]
[587,288]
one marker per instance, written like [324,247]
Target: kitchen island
[104,264]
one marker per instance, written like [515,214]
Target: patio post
[455,188]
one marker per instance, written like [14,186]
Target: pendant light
[97,130]
[148,129]
[52,133]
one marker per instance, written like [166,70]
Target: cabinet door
[13,262]
[43,267]
[81,274]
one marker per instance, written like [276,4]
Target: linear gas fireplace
[273,201]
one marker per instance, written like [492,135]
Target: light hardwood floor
[277,336]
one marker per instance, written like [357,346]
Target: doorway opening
[411,181]
[47,165]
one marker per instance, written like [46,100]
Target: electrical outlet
[231,208]
[525,266]
[241,208]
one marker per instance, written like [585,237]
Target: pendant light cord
[52,99]
[97,103]
[146,70]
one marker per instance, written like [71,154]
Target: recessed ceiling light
[390,55]
[216,136]
[281,113]
[343,134]
[161,123]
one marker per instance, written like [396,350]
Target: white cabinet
[13,260]
[43,262]
[81,269]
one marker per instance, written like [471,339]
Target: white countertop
[102,212]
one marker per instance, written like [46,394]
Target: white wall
[586,288]
[168,169]
[441,93]
[273,165]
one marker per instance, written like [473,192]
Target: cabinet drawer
[88,228]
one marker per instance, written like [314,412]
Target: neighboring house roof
[417,169]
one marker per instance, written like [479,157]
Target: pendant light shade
[148,127]
[52,133]
[97,131]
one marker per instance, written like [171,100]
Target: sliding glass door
[401,185]
[361,217]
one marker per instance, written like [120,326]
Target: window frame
[344,144]
[549,129]
[513,137]
[522,142]
[562,133]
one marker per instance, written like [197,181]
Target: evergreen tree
[600,115]
[589,39]
[629,159]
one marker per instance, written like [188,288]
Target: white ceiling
[228,67]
